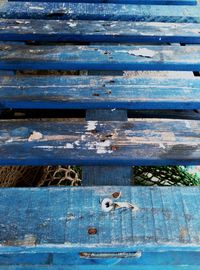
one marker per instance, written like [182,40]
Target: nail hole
[107,205]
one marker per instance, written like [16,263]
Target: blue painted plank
[138,2]
[93,92]
[106,175]
[55,223]
[98,31]
[73,141]
[16,57]
[99,267]
[88,11]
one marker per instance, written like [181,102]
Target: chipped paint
[36,7]
[187,124]
[100,147]
[143,52]
[69,146]
[35,136]
[162,146]
[127,205]
[108,205]
[72,24]
[91,125]
[29,240]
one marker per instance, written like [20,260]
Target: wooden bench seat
[64,228]
[20,57]
[98,31]
[159,232]
[136,142]
[141,2]
[97,92]
[110,12]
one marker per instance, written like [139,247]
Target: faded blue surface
[97,92]
[138,2]
[48,228]
[98,31]
[107,175]
[100,267]
[165,228]
[73,141]
[16,57]
[62,11]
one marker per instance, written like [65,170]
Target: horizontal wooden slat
[62,11]
[99,57]
[82,92]
[99,267]
[71,141]
[98,31]
[57,220]
[138,2]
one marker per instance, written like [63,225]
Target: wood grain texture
[97,92]
[17,57]
[98,31]
[58,219]
[136,142]
[89,11]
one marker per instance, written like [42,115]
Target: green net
[165,176]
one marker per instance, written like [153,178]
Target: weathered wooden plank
[93,92]
[46,220]
[71,141]
[89,11]
[98,31]
[16,57]
[107,175]
[138,2]
[99,267]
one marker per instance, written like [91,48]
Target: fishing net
[165,176]
[60,176]
[12,176]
